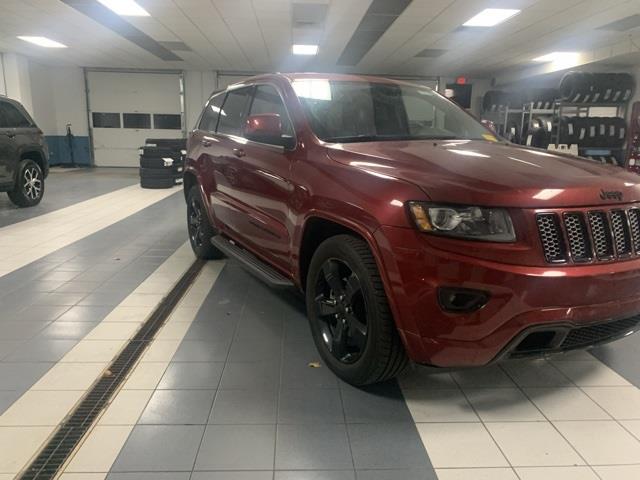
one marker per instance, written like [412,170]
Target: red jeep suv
[414,232]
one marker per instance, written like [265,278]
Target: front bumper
[523,300]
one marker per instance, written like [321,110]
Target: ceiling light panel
[125,8]
[556,57]
[42,42]
[301,49]
[491,17]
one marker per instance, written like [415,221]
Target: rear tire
[200,229]
[349,314]
[29,187]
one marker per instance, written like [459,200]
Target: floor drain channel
[56,452]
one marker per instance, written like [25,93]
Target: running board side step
[252,263]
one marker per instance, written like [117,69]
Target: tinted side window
[210,114]
[267,100]
[11,117]
[232,112]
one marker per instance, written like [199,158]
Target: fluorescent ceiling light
[305,49]
[557,57]
[126,8]
[491,17]
[42,42]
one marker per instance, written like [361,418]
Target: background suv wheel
[200,229]
[29,187]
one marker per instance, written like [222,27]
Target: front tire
[200,229]
[349,314]
[29,187]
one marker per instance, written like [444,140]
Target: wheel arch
[35,155]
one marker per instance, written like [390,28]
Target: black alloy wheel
[342,311]
[195,214]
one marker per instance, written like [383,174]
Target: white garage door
[127,108]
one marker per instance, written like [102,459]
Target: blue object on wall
[59,153]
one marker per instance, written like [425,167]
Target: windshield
[347,111]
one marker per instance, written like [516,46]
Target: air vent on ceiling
[309,14]
[376,21]
[176,46]
[431,53]
[623,24]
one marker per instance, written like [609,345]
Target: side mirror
[264,128]
[490,125]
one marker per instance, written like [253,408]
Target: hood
[493,174]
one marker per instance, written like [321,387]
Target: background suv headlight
[474,223]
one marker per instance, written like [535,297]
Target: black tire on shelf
[576,87]
[161,152]
[360,342]
[29,187]
[151,173]
[568,133]
[170,143]
[159,162]
[199,227]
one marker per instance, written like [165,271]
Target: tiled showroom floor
[229,389]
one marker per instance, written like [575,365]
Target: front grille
[583,336]
[581,237]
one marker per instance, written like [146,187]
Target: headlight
[475,223]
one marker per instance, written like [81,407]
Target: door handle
[238,152]
[205,143]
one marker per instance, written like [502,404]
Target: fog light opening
[461,300]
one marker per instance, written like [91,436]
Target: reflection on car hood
[493,174]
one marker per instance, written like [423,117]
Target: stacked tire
[582,87]
[607,132]
[162,163]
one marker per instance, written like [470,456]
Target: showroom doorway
[127,107]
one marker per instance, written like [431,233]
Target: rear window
[11,117]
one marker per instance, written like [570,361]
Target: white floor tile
[161,351]
[126,407]
[620,402]
[143,299]
[535,373]
[129,314]
[100,449]
[40,408]
[183,314]
[439,406]
[566,403]
[173,331]
[591,374]
[476,474]
[87,351]
[19,444]
[417,377]
[601,443]
[503,405]
[533,444]
[556,473]
[633,426]
[70,376]
[113,331]
[82,476]
[619,472]
[451,445]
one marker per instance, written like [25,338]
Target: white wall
[3,88]
[198,87]
[17,79]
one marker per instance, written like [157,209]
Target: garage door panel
[131,93]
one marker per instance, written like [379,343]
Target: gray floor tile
[264,475]
[387,446]
[149,476]
[202,351]
[316,475]
[102,298]
[37,313]
[310,405]
[312,447]
[93,276]
[58,299]
[41,350]
[237,447]
[296,372]
[67,330]
[220,331]
[58,276]
[20,376]
[192,375]
[7,347]
[250,375]
[20,330]
[178,407]
[45,285]
[245,407]
[160,448]
[78,287]
[375,404]
[81,313]
[255,350]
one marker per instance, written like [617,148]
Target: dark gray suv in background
[24,158]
